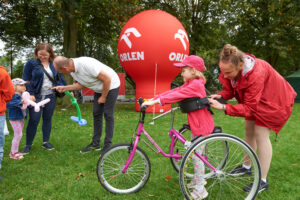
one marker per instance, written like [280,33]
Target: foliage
[15,70]
[64,173]
[268,29]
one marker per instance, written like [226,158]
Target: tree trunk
[70,37]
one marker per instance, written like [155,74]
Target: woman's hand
[215,96]
[217,105]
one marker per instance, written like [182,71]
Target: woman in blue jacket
[40,87]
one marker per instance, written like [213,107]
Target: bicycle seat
[217,129]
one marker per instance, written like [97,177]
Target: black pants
[108,110]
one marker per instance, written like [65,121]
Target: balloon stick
[77,119]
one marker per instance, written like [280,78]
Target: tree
[269,29]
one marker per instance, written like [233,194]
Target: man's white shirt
[87,70]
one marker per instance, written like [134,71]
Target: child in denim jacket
[16,117]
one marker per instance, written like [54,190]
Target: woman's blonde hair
[44,46]
[231,54]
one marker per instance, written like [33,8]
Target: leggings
[199,169]
[17,126]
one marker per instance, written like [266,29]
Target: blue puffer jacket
[33,73]
[14,108]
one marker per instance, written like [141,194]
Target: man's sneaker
[105,148]
[263,186]
[47,146]
[91,147]
[239,171]
[26,150]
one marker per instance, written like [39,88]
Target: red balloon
[149,44]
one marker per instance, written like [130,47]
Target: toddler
[200,121]
[16,117]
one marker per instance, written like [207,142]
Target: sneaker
[196,194]
[90,147]
[1,178]
[239,171]
[16,156]
[26,150]
[263,186]
[47,146]
[105,148]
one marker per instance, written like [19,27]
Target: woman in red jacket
[264,98]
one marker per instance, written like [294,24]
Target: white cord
[153,113]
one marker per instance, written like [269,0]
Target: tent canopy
[294,80]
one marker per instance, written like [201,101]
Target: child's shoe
[196,194]
[16,156]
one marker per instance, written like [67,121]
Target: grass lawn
[64,173]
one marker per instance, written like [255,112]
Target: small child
[16,117]
[200,121]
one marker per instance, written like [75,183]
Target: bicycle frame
[172,133]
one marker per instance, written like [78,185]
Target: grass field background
[64,173]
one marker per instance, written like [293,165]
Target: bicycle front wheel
[111,164]
[222,183]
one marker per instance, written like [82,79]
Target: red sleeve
[252,95]
[6,87]
[194,88]
[227,90]
[166,92]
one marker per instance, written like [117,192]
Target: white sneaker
[196,194]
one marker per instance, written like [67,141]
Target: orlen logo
[131,56]
[181,35]
[126,35]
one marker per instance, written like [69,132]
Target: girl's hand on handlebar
[215,96]
[150,103]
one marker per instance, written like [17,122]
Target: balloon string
[155,87]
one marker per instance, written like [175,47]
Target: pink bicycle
[125,168]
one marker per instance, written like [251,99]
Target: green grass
[64,173]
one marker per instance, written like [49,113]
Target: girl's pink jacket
[200,121]
[263,93]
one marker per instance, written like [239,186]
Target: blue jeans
[34,119]
[2,139]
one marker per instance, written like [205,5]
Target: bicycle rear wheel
[110,166]
[221,184]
